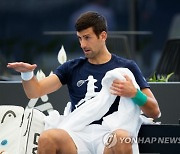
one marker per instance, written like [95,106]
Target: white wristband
[26,76]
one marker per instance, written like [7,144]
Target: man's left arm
[151,107]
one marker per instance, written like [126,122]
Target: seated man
[83,78]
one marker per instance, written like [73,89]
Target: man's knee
[120,133]
[124,141]
[46,138]
[120,142]
[54,135]
[56,138]
[118,136]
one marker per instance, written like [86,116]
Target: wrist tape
[140,98]
[26,76]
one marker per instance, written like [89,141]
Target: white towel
[127,116]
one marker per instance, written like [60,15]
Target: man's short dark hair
[91,19]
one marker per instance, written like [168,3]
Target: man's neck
[102,59]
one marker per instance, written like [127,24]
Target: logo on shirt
[90,89]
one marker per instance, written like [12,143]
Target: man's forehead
[86,32]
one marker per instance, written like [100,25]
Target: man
[81,75]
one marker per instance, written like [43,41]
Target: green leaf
[168,76]
[160,78]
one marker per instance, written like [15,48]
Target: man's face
[90,43]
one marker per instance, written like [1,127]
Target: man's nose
[83,44]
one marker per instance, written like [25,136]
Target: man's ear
[104,35]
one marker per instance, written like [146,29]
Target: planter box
[167,95]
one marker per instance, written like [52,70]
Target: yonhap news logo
[111,139]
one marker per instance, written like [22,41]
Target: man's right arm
[34,88]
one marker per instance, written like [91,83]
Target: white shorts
[90,139]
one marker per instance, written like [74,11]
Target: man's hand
[123,88]
[21,67]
